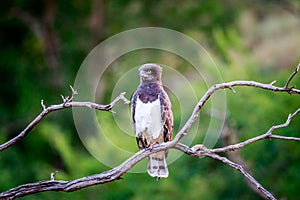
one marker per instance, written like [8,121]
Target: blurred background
[43,44]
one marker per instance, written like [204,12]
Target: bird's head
[150,73]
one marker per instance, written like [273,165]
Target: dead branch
[67,103]
[291,77]
[240,169]
[229,136]
[117,172]
[230,86]
[201,151]
[268,134]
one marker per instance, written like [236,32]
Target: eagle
[152,117]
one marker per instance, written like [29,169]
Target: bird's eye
[148,71]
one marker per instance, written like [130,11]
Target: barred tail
[157,165]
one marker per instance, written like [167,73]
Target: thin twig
[273,82]
[43,105]
[77,184]
[117,172]
[230,86]
[240,169]
[229,137]
[66,104]
[203,151]
[268,134]
[286,86]
[52,175]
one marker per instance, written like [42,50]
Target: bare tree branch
[268,134]
[229,136]
[240,169]
[201,151]
[117,172]
[230,86]
[67,103]
[77,184]
[291,77]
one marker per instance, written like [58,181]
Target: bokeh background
[43,43]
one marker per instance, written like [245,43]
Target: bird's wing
[167,115]
[133,105]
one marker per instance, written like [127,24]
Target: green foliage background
[251,41]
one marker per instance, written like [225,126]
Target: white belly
[148,118]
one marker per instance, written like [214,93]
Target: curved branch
[230,85]
[77,184]
[209,153]
[67,103]
[268,134]
[240,169]
[291,77]
[117,172]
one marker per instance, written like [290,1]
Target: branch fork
[197,150]
[286,86]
